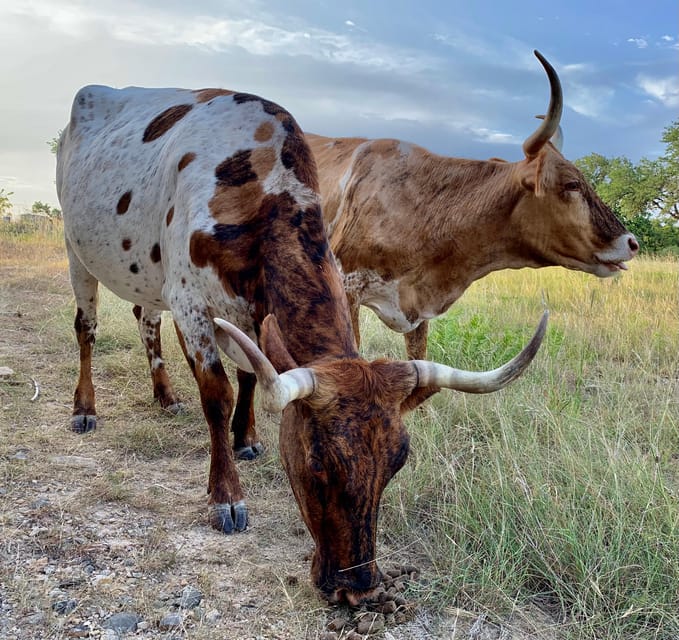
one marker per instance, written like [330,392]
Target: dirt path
[106,535]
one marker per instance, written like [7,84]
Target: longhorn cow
[412,230]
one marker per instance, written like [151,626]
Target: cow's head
[560,218]
[342,439]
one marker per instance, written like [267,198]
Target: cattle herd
[263,242]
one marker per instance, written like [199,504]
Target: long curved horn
[440,375]
[550,124]
[557,138]
[278,390]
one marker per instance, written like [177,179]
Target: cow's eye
[317,469]
[572,186]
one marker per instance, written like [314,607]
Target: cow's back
[138,172]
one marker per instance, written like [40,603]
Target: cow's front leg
[148,322]
[226,504]
[85,287]
[246,444]
[416,349]
[416,341]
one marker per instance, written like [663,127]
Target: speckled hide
[205,203]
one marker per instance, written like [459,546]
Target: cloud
[495,137]
[641,43]
[663,90]
[157,27]
[590,101]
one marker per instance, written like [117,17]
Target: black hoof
[229,518]
[83,424]
[249,453]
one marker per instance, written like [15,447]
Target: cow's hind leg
[246,444]
[226,504]
[149,330]
[85,290]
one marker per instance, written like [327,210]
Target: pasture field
[548,510]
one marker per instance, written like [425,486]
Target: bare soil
[115,522]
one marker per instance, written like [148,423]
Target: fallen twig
[36,386]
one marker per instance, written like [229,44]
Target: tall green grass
[561,490]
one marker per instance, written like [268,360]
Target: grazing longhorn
[412,230]
[206,203]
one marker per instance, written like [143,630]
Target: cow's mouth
[613,266]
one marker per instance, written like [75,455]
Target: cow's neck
[470,216]
[306,295]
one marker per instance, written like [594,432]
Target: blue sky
[457,77]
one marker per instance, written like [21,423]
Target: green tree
[54,142]
[670,171]
[5,202]
[644,195]
[45,209]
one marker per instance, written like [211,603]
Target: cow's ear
[272,344]
[537,173]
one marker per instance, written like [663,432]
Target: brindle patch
[297,156]
[162,123]
[186,160]
[124,203]
[205,95]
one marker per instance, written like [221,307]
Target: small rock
[5,372]
[122,622]
[213,616]
[190,598]
[79,631]
[64,607]
[171,621]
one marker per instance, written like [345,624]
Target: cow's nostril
[633,244]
